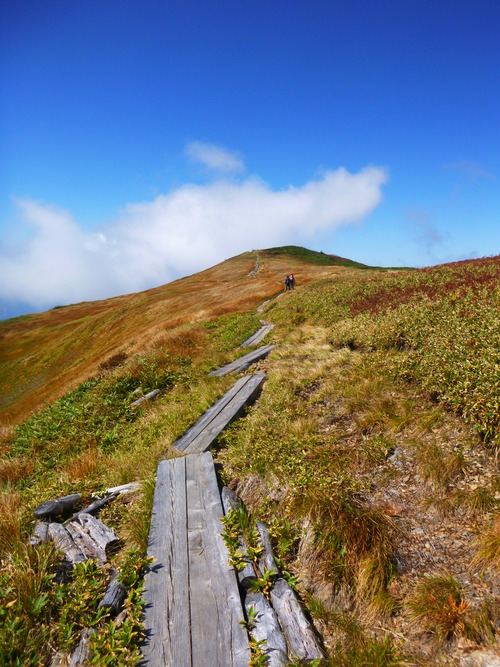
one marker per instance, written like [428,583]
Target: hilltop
[371,453]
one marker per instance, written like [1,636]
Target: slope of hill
[44,355]
[371,453]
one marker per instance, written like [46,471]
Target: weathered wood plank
[209,415]
[200,436]
[105,538]
[85,543]
[230,412]
[217,638]
[166,586]
[244,361]
[259,336]
[124,489]
[298,631]
[266,626]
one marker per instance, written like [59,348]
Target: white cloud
[214,157]
[186,230]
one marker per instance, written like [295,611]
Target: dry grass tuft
[84,465]
[13,470]
[488,547]
[10,519]
[137,531]
[439,605]
[32,568]
[186,342]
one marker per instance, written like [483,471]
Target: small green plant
[252,615]
[258,656]
[264,582]
[285,535]
[114,644]
[239,527]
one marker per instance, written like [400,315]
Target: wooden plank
[166,586]
[244,361]
[259,336]
[217,637]
[230,412]
[209,415]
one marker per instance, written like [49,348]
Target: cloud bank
[184,231]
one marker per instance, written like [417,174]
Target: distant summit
[315,257]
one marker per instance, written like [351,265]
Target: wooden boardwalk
[259,336]
[206,430]
[192,603]
[244,362]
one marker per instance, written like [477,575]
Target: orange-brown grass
[44,355]
[84,465]
[184,341]
[12,470]
[10,526]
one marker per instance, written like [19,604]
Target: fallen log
[124,489]
[40,534]
[146,397]
[96,505]
[85,543]
[267,559]
[299,633]
[105,539]
[114,596]
[265,627]
[56,507]
[64,542]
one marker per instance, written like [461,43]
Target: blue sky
[141,141]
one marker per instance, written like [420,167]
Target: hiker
[287,283]
[292,281]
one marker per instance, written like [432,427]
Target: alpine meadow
[371,453]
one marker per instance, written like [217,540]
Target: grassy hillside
[44,355]
[314,257]
[371,454]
